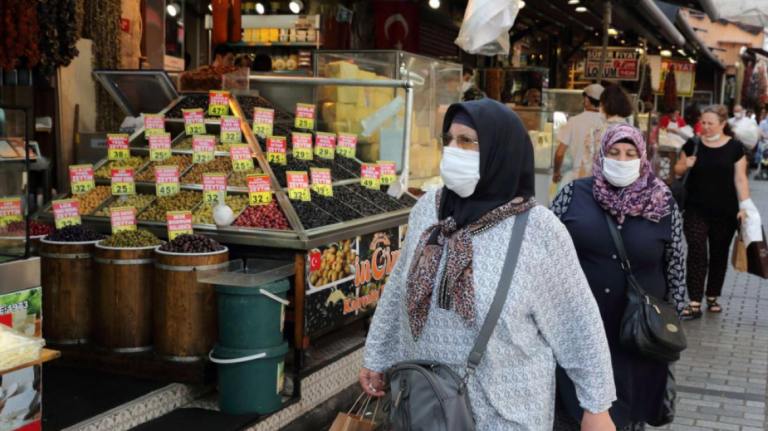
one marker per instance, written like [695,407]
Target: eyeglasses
[463,141]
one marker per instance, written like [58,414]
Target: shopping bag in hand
[739,256]
[356,422]
[757,258]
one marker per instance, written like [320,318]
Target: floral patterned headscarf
[648,196]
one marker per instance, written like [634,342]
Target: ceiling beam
[567,14]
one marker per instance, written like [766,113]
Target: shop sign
[388,173]
[81,179]
[621,64]
[194,121]
[179,223]
[321,181]
[259,191]
[302,146]
[218,103]
[159,147]
[347,145]
[263,121]
[242,160]
[370,176]
[22,311]
[123,182]
[153,123]
[305,116]
[122,218]
[10,210]
[203,147]
[685,77]
[167,180]
[298,186]
[212,185]
[325,145]
[66,213]
[230,130]
[276,149]
[118,147]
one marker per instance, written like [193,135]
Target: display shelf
[46,355]
[276,44]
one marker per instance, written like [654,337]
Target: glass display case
[14,173]
[344,109]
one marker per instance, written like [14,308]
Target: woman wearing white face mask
[650,225]
[717,193]
[443,285]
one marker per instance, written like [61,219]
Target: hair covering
[648,196]
[505,189]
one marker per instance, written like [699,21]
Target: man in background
[533,98]
[738,117]
[223,56]
[672,122]
[573,135]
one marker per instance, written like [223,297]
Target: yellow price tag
[305,123]
[158,155]
[302,146]
[122,219]
[263,129]
[298,186]
[10,210]
[81,179]
[299,195]
[230,130]
[212,185]
[202,157]
[242,165]
[194,122]
[277,159]
[66,213]
[195,129]
[263,121]
[218,103]
[123,182]
[305,116]
[260,198]
[323,189]
[179,223]
[346,145]
[321,181]
[259,191]
[302,154]
[370,183]
[159,147]
[388,172]
[123,189]
[167,189]
[115,155]
[370,176]
[118,147]
[218,110]
[153,123]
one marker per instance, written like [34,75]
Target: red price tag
[123,182]
[159,147]
[302,146]
[81,178]
[118,147]
[325,145]
[230,130]
[167,180]
[347,145]
[305,116]
[240,152]
[122,218]
[154,124]
[10,210]
[212,185]
[388,173]
[218,103]
[203,147]
[321,181]
[179,223]
[298,185]
[263,121]
[259,190]
[370,176]
[66,213]
[276,150]
[194,121]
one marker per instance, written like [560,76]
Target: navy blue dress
[656,254]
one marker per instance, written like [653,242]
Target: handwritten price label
[230,130]
[212,185]
[159,147]
[325,145]
[263,121]
[179,223]
[203,147]
[167,180]
[302,146]
[122,218]
[81,179]
[347,145]
[370,176]
[388,173]
[218,103]
[123,182]
[321,181]
[298,186]
[66,213]
[259,191]
[242,160]
[276,149]
[118,147]
[305,116]
[153,123]
[194,121]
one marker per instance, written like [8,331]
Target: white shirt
[574,134]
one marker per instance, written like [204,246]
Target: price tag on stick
[276,149]
[159,147]
[242,160]
[203,147]
[122,218]
[259,191]
[153,123]
[321,181]
[302,146]
[305,116]
[298,186]
[81,179]
[388,173]
[263,121]
[325,145]
[212,185]
[123,182]
[230,130]
[194,121]
[66,213]
[218,103]
[167,180]
[370,176]
[347,145]
[179,223]
[10,210]
[118,147]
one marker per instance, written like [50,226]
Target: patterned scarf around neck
[457,287]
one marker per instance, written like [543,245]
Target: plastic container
[17,349]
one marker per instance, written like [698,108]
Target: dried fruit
[263,217]
[76,233]
[18,228]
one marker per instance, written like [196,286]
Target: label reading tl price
[159,147]
[194,121]
[325,145]
[122,218]
[388,173]
[153,123]
[305,116]
[259,192]
[10,210]
[263,121]
[242,161]
[81,179]
[212,185]
[218,103]
[321,181]
[203,147]
[179,223]
[302,146]
[347,145]
[230,130]
[276,149]
[167,180]
[370,176]
[118,147]
[66,213]
[298,186]
[123,182]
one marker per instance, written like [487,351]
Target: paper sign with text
[218,103]
[159,147]
[10,210]
[66,213]
[123,182]
[230,130]
[302,146]
[305,116]
[263,121]
[276,149]
[118,147]
[242,160]
[325,145]
[153,123]
[388,173]
[321,181]
[194,121]
[81,179]
[370,176]
[347,145]
[122,218]
[179,223]
[212,185]
[298,186]
[203,147]
[259,191]
[167,180]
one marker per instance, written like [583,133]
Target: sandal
[692,311]
[713,306]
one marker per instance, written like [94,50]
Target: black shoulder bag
[678,186]
[650,326]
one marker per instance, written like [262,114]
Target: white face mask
[621,174]
[738,115]
[465,86]
[460,170]
[712,138]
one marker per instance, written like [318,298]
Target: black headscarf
[506,162]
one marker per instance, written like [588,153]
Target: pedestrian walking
[650,225]
[573,135]
[445,280]
[615,107]
[716,188]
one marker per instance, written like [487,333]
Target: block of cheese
[424,134]
[342,69]
[380,99]
[362,74]
[344,94]
[339,127]
[332,111]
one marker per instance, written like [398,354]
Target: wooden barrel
[186,311]
[122,298]
[67,275]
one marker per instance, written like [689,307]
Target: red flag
[397,25]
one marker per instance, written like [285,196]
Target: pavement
[722,376]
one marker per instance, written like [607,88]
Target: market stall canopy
[651,11]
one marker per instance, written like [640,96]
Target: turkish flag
[397,25]
[315,260]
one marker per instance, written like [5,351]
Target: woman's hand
[742,216]
[372,382]
[597,422]
[690,161]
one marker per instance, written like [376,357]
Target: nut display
[263,217]
[89,201]
[18,228]
[188,144]
[137,201]
[132,239]
[378,198]
[240,179]
[191,101]
[217,165]
[355,201]
[133,162]
[185,200]
[76,233]
[312,216]
[192,244]
[334,206]
[148,174]
[204,213]
[335,264]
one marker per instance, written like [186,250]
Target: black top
[711,187]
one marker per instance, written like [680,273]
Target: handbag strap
[697,141]
[508,270]
[623,257]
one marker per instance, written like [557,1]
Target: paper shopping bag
[739,256]
[356,422]
[757,258]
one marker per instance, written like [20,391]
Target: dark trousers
[708,244]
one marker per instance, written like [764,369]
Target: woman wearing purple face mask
[651,228]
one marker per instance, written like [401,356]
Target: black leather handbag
[678,186]
[650,326]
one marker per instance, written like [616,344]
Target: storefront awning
[655,16]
